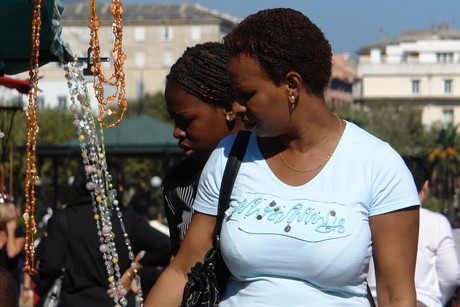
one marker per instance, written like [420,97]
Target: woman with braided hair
[315,197]
[199,98]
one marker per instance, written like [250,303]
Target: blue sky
[350,24]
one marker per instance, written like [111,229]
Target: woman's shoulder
[226,144]
[361,142]
[360,134]
[58,218]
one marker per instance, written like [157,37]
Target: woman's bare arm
[14,245]
[395,239]
[168,289]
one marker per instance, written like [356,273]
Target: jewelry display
[322,163]
[103,193]
[117,79]
[32,130]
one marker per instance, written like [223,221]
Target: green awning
[141,135]
[16,32]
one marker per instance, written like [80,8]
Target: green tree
[398,124]
[152,105]
[445,162]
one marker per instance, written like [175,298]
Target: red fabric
[21,85]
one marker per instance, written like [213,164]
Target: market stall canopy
[16,35]
[138,135]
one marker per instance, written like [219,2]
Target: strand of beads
[117,79]
[32,130]
[99,183]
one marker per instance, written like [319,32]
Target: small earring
[230,116]
[292,102]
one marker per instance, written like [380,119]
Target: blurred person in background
[155,217]
[12,240]
[8,290]
[437,269]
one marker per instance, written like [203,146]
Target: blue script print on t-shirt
[305,219]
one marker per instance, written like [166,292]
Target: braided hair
[201,71]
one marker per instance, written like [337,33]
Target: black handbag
[54,293]
[207,279]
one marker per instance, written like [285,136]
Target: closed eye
[183,123]
[243,97]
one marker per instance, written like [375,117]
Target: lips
[249,125]
[187,150]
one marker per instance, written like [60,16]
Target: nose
[238,108]
[178,132]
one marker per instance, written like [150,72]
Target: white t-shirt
[437,268]
[308,245]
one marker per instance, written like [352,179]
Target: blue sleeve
[207,197]
[393,186]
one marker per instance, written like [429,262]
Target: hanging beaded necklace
[32,129]
[103,194]
[117,79]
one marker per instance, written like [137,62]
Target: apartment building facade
[343,78]
[154,37]
[420,67]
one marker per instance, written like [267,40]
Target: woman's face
[199,126]
[263,105]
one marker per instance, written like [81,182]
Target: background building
[154,36]
[420,67]
[343,79]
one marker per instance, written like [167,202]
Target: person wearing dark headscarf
[76,246]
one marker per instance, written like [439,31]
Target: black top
[85,282]
[179,190]
[12,264]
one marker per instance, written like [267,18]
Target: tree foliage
[445,163]
[152,105]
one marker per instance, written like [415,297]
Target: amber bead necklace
[32,130]
[109,116]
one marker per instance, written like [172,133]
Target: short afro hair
[284,40]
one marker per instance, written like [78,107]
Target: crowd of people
[311,182]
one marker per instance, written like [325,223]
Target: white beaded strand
[99,183]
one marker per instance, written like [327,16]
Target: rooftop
[442,32]
[139,13]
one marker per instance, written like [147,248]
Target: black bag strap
[231,171]
[370,298]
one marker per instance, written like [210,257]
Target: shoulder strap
[231,170]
